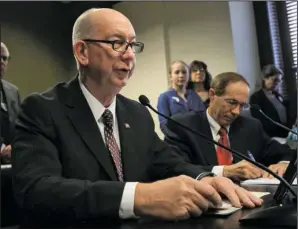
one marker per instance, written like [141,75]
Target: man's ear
[81,52]
[211,92]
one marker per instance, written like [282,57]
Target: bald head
[94,21]
[4,59]
[4,47]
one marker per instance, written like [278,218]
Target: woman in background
[178,99]
[200,80]
[271,102]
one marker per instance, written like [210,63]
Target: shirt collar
[214,125]
[96,107]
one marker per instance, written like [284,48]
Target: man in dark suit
[221,122]
[82,150]
[10,105]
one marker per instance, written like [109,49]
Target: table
[204,222]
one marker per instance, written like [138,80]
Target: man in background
[222,122]
[10,105]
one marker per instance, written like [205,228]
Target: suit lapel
[208,149]
[127,137]
[82,119]
[9,104]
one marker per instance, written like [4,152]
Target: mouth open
[125,70]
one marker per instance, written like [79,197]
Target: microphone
[291,171]
[256,107]
[145,102]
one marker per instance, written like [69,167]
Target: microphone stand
[259,165]
[284,216]
[279,214]
[256,107]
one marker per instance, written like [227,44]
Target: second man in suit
[10,105]
[222,122]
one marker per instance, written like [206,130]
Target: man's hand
[6,152]
[242,170]
[278,168]
[175,198]
[236,195]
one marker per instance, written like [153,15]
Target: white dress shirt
[218,169]
[126,209]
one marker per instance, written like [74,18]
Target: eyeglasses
[200,70]
[5,58]
[234,103]
[121,45]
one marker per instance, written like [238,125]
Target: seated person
[221,122]
[84,153]
[178,99]
[10,105]
[272,103]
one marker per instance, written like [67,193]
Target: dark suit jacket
[268,108]
[244,134]
[13,102]
[168,104]
[62,170]
[293,108]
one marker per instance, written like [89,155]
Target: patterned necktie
[107,118]
[224,157]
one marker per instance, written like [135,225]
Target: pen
[250,155]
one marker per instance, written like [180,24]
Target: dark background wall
[38,36]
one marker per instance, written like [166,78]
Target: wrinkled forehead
[117,27]
[238,91]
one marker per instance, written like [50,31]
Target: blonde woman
[178,99]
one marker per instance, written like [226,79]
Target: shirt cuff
[218,170]
[126,209]
[284,162]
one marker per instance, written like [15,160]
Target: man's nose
[129,54]
[236,110]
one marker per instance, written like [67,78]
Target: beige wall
[177,30]
[201,31]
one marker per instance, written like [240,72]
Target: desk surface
[204,222]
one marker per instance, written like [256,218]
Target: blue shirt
[170,103]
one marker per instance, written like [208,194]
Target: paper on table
[227,208]
[265,181]
[260,194]
[280,140]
